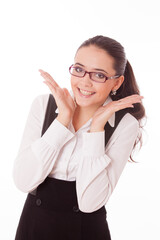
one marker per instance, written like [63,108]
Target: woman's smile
[85,93]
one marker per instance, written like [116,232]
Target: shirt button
[75,209]
[38,202]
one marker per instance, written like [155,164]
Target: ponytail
[129,87]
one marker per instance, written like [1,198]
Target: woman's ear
[118,82]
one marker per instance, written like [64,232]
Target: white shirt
[65,154]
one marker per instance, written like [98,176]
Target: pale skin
[91,58]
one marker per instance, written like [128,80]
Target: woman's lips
[85,93]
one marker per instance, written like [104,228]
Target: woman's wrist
[64,120]
[96,128]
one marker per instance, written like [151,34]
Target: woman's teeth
[85,92]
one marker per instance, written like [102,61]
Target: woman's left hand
[103,113]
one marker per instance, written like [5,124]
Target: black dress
[51,211]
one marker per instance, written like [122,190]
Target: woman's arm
[99,167]
[37,155]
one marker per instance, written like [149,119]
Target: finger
[120,107]
[51,88]
[56,91]
[65,90]
[48,77]
[133,99]
[133,96]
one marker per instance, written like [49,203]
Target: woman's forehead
[94,57]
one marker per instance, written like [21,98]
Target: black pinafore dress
[51,211]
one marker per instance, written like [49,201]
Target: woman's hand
[103,113]
[65,103]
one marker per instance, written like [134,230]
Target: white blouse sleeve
[37,155]
[100,168]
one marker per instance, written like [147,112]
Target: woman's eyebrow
[98,69]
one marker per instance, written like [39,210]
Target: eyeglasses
[94,76]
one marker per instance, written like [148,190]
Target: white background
[45,34]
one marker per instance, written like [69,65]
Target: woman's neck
[81,116]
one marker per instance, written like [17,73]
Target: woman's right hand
[65,103]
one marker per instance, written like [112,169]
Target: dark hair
[122,67]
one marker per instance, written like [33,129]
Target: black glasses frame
[106,78]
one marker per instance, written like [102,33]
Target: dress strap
[50,114]
[110,130]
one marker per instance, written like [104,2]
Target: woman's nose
[86,79]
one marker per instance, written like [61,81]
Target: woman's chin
[84,104]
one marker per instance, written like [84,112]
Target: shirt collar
[111,120]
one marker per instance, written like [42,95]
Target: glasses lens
[98,77]
[77,71]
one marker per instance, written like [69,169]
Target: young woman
[76,144]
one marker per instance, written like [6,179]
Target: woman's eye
[100,75]
[78,69]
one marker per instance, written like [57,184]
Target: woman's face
[90,59]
